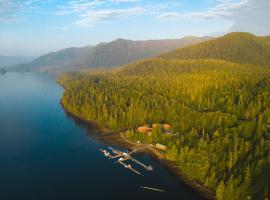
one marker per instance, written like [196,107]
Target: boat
[153,189]
[120,159]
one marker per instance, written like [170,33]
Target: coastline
[175,170]
[117,138]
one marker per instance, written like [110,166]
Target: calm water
[45,154]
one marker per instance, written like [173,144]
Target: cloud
[78,6]
[224,9]
[92,12]
[93,17]
[11,10]
[245,15]
[124,1]
[61,28]
[169,15]
[253,17]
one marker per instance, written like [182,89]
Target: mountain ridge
[239,47]
[110,54]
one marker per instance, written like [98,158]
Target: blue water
[45,154]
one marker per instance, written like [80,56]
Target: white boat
[120,159]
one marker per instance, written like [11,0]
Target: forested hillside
[104,55]
[236,47]
[220,110]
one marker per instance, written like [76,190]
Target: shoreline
[174,168]
[117,138]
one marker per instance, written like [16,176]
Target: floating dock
[123,156]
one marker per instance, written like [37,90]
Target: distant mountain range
[6,61]
[118,52]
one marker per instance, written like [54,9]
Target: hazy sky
[34,27]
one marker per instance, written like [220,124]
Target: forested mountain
[13,60]
[111,54]
[121,51]
[220,110]
[236,47]
[65,59]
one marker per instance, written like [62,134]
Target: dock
[113,153]
[129,167]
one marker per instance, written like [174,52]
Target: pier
[113,153]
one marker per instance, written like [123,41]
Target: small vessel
[120,159]
[153,189]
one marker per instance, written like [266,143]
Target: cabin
[161,147]
[167,126]
[146,129]
[164,126]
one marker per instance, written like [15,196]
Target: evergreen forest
[216,97]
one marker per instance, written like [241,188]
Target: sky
[35,27]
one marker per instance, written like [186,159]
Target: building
[167,126]
[146,129]
[164,126]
